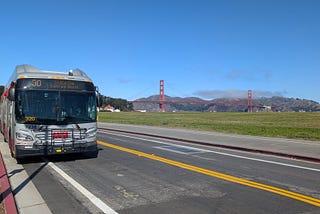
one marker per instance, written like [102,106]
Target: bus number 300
[36,83]
[30,119]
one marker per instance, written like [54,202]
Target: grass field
[286,125]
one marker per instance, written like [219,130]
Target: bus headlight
[23,136]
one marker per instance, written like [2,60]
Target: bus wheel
[11,145]
[91,154]
[19,160]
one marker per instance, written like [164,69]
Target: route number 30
[36,83]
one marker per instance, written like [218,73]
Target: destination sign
[54,84]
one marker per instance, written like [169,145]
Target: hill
[282,104]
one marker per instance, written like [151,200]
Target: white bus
[48,112]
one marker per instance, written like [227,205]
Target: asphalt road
[135,174]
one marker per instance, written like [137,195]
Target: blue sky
[208,49]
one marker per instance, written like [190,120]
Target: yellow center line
[289,194]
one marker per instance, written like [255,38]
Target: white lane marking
[221,153]
[180,149]
[96,201]
[266,161]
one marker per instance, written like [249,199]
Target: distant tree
[117,103]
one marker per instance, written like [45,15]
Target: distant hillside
[226,105]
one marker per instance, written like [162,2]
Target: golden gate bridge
[162,102]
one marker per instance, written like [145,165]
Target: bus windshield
[55,107]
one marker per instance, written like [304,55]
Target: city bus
[49,112]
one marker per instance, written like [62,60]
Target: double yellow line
[289,194]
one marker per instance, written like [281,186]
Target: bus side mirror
[99,100]
[2,89]
[11,94]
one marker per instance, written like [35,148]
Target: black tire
[93,154]
[19,160]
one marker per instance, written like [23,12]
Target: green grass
[286,125]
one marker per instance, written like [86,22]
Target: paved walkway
[7,198]
[19,194]
[308,150]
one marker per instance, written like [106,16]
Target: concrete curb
[288,155]
[6,192]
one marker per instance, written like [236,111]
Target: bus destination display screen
[54,84]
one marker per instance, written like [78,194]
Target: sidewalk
[7,198]
[299,149]
[18,191]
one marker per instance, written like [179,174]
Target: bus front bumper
[42,150]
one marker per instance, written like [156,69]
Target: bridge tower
[162,96]
[249,100]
